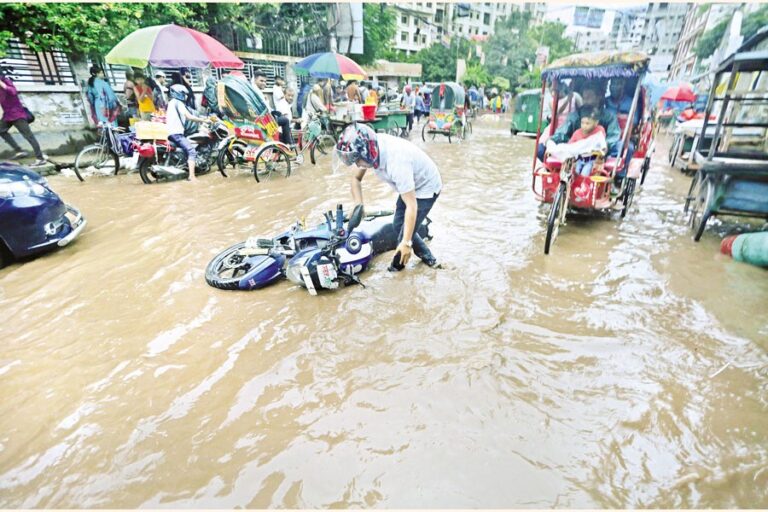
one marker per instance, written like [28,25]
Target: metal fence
[37,68]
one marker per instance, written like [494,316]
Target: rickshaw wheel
[424,133]
[272,161]
[693,191]
[701,209]
[555,215]
[629,194]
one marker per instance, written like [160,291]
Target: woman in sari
[104,104]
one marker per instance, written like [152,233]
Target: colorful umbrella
[330,65]
[681,92]
[172,46]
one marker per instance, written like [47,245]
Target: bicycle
[103,157]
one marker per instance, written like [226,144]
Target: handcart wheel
[693,190]
[629,194]
[701,208]
[555,216]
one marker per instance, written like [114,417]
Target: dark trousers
[285,128]
[409,121]
[23,126]
[420,247]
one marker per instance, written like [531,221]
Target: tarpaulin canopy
[597,65]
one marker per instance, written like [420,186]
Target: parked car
[33,218]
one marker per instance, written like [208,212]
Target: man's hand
[405,252]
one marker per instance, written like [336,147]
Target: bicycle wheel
[324,145]
[272,161]
[96,160]
[556,214]
[701,209]
[629,194]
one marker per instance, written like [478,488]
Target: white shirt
[284,107]
[407,168]
[277,95]
[173,117]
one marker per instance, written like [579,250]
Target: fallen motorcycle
[324,257]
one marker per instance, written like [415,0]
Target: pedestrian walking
[102,99]
[16,115]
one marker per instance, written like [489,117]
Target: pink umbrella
[682,92]
[172,46]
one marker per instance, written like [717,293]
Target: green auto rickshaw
[526,115]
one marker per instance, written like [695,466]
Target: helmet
[179,92]
[358,142]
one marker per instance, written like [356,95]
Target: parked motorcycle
[162,160]
[325,257]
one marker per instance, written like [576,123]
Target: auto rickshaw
[526,114]
[447,116]
[607,187]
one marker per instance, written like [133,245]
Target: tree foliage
[709,42]
[379,22]
[552,35]
[511,51]
[476,75]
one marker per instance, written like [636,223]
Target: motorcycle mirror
[356,218]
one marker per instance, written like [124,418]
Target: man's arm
[357,186]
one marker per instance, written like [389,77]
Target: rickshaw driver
[620,102]
[592,97]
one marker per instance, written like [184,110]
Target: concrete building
[589,27]
[421,24]
[663,24]
[699,18]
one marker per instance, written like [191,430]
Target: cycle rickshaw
[607,187]
[256,136]
[447,116]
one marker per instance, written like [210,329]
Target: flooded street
[629,368]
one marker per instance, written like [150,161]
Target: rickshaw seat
[553,164]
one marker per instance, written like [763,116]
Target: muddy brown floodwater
[626,369]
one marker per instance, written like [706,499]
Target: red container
[369,112]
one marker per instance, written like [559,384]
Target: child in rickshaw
[585,145]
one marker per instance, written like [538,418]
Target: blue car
[33,218]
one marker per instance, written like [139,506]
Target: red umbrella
[681,92]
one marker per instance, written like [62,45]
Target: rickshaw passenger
[592,96]
[260,79]
[620,100]
[589,128]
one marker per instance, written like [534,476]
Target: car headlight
[22,188]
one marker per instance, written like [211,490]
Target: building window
[404,37]
[486,19]
[429,5]
[439,16]
[415,38]
[404,20]
[423,39]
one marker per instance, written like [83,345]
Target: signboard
[542,56]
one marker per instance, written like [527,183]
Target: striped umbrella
[330,65]
[172,46]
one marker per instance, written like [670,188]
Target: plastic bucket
[369,112]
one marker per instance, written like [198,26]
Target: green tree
[438,63]
[754,22]
[510,51]
[379,22]
[476,75]
[709,42]
[552,35]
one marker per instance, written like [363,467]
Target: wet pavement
[626,369]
